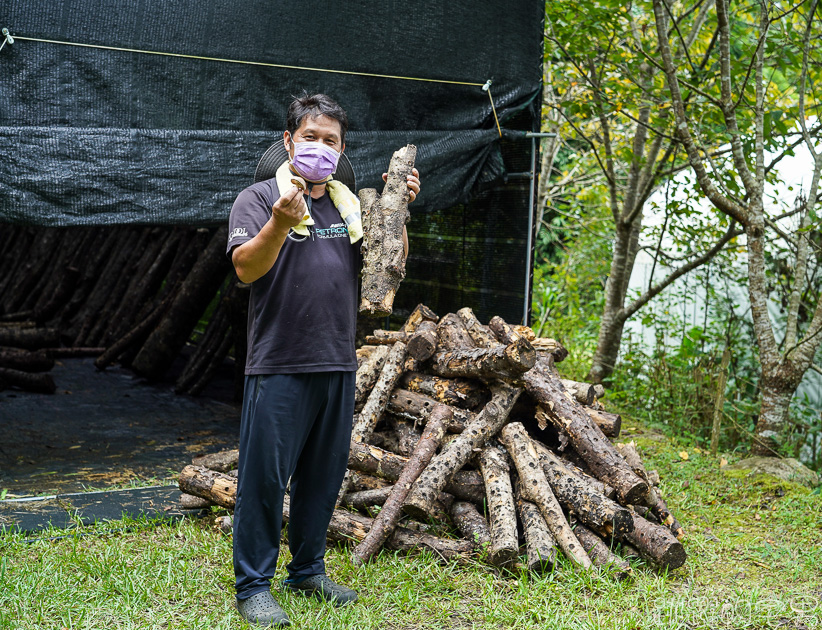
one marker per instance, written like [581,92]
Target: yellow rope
[486,86]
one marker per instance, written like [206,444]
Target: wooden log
[507,362]
[25,360]
[378,398]
[382,337]
[541,550]
[408,435]
[219,488]
[548,458]
[74,352]
[459,392]
[361,481]
[610,423]
[454,456]
[222,461]
[551,347]
[582,392]
[209,353]
[365,499]
[535,488]
[465,484]
[416,407]
[591,507]
[191,502]
[568,416]
[471,524]
[39,382]
[388,440]
[655,543]
[388,517]
[654,499]
[421,313]
[166,341]
[501,509]
[423,342]
[383,248]
[363,352]
[452,334]
[480,335]
[58,296]
[599,552]
[29,338]
[368,373]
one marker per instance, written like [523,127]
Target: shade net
[99,136]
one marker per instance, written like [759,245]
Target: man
[298,252]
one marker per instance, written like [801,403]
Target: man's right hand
[288,210]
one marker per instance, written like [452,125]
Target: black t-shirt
[302,314]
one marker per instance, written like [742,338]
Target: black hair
[313,105]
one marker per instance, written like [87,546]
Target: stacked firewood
[134,295]
[471,425]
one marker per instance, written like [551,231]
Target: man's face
[318,129]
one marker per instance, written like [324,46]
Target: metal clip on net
[7,38]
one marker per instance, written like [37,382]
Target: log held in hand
[383,249]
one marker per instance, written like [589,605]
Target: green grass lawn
[754,561]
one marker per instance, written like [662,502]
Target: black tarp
[102,136]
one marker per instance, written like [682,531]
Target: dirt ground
[106,428]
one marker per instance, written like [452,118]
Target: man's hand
[288,210]
[413,184]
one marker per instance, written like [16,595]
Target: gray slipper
[321,587]
[263,610]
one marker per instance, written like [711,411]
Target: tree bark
[415,407]
[378,398]
[471,524]
[583,393]
[368,373]
[219,488]
[540,544]
[480,335]
[609,423]
[454,456]
[655,543]
[29,338]
[507,362]
[423,342]
[25,361]
[221,462]
[501,509]
[549,459]
[383,248]
[365,499]
[40,383]
[599,552]
[388,517]
[535,488]
[459,392]
[570,418]
[465,484]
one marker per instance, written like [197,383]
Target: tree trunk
[383,248]
[455,455]
[501,509]
[773,416]
[535,488]
[388,517]
[29,338]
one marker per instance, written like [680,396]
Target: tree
[613,106]
[748,93]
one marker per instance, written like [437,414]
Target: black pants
[297,426]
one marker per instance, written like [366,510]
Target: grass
[754,546]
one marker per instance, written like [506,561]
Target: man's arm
[255,258]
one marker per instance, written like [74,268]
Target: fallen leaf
[683,454]
[723,462]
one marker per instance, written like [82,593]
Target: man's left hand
[413,184]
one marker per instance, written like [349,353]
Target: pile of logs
[127,294]
[469,427]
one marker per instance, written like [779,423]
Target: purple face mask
[314,160]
